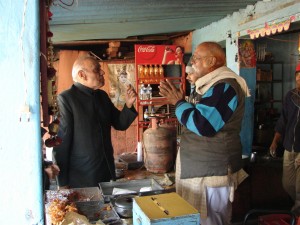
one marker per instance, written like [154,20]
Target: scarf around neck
[208,80]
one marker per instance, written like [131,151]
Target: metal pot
[123,205]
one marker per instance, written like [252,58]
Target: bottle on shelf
[156,73]
[146,115]
[144,90]
[151,73]
[161,72]
[152,112]
[141,92]
[149,92]
[146,73]
[141,72]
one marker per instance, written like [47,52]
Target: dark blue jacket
[288,124]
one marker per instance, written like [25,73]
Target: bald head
[81,63]
[207,57]
[87,71]
[214,49]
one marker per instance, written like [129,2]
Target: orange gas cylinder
[158,146]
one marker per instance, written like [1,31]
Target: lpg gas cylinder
[158,145]
[172,126]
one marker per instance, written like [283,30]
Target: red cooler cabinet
[155,63]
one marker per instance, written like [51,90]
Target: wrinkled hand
[130,96]
[52,171]
[170,92]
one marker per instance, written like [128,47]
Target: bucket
[158,146]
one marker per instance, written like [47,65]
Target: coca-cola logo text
[149,48]
[146,52]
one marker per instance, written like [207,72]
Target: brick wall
[124,141]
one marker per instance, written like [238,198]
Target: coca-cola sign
[153,54]
[148,48]
[146,51]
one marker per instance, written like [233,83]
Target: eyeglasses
[194,58]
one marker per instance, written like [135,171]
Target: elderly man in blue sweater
[209,162]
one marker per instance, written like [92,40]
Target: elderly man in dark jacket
[85,156]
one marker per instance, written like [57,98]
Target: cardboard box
[164,209]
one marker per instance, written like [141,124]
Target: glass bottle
[161,72]
[146,115]
[156,73]
[146,73]
[149,92]
[152,112]
[151,73]
[144,92]
[141,93]
[141,73]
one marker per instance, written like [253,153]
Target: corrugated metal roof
[75,20]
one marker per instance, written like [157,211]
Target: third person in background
[287,130]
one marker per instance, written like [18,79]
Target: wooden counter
[261,190]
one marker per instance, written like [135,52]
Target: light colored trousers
[291,177]
[219,207]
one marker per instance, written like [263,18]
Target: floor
[277,217]
[249,222]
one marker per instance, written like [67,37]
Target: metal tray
[79,194]
[106,188]
[130,160]
[96,210]
[88,200]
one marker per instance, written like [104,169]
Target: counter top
[166,180]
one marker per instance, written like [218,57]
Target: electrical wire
[64,5]
[70,4]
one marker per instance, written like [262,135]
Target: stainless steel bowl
[127,221]
[123,205]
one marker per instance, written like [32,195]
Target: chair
[272,217]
